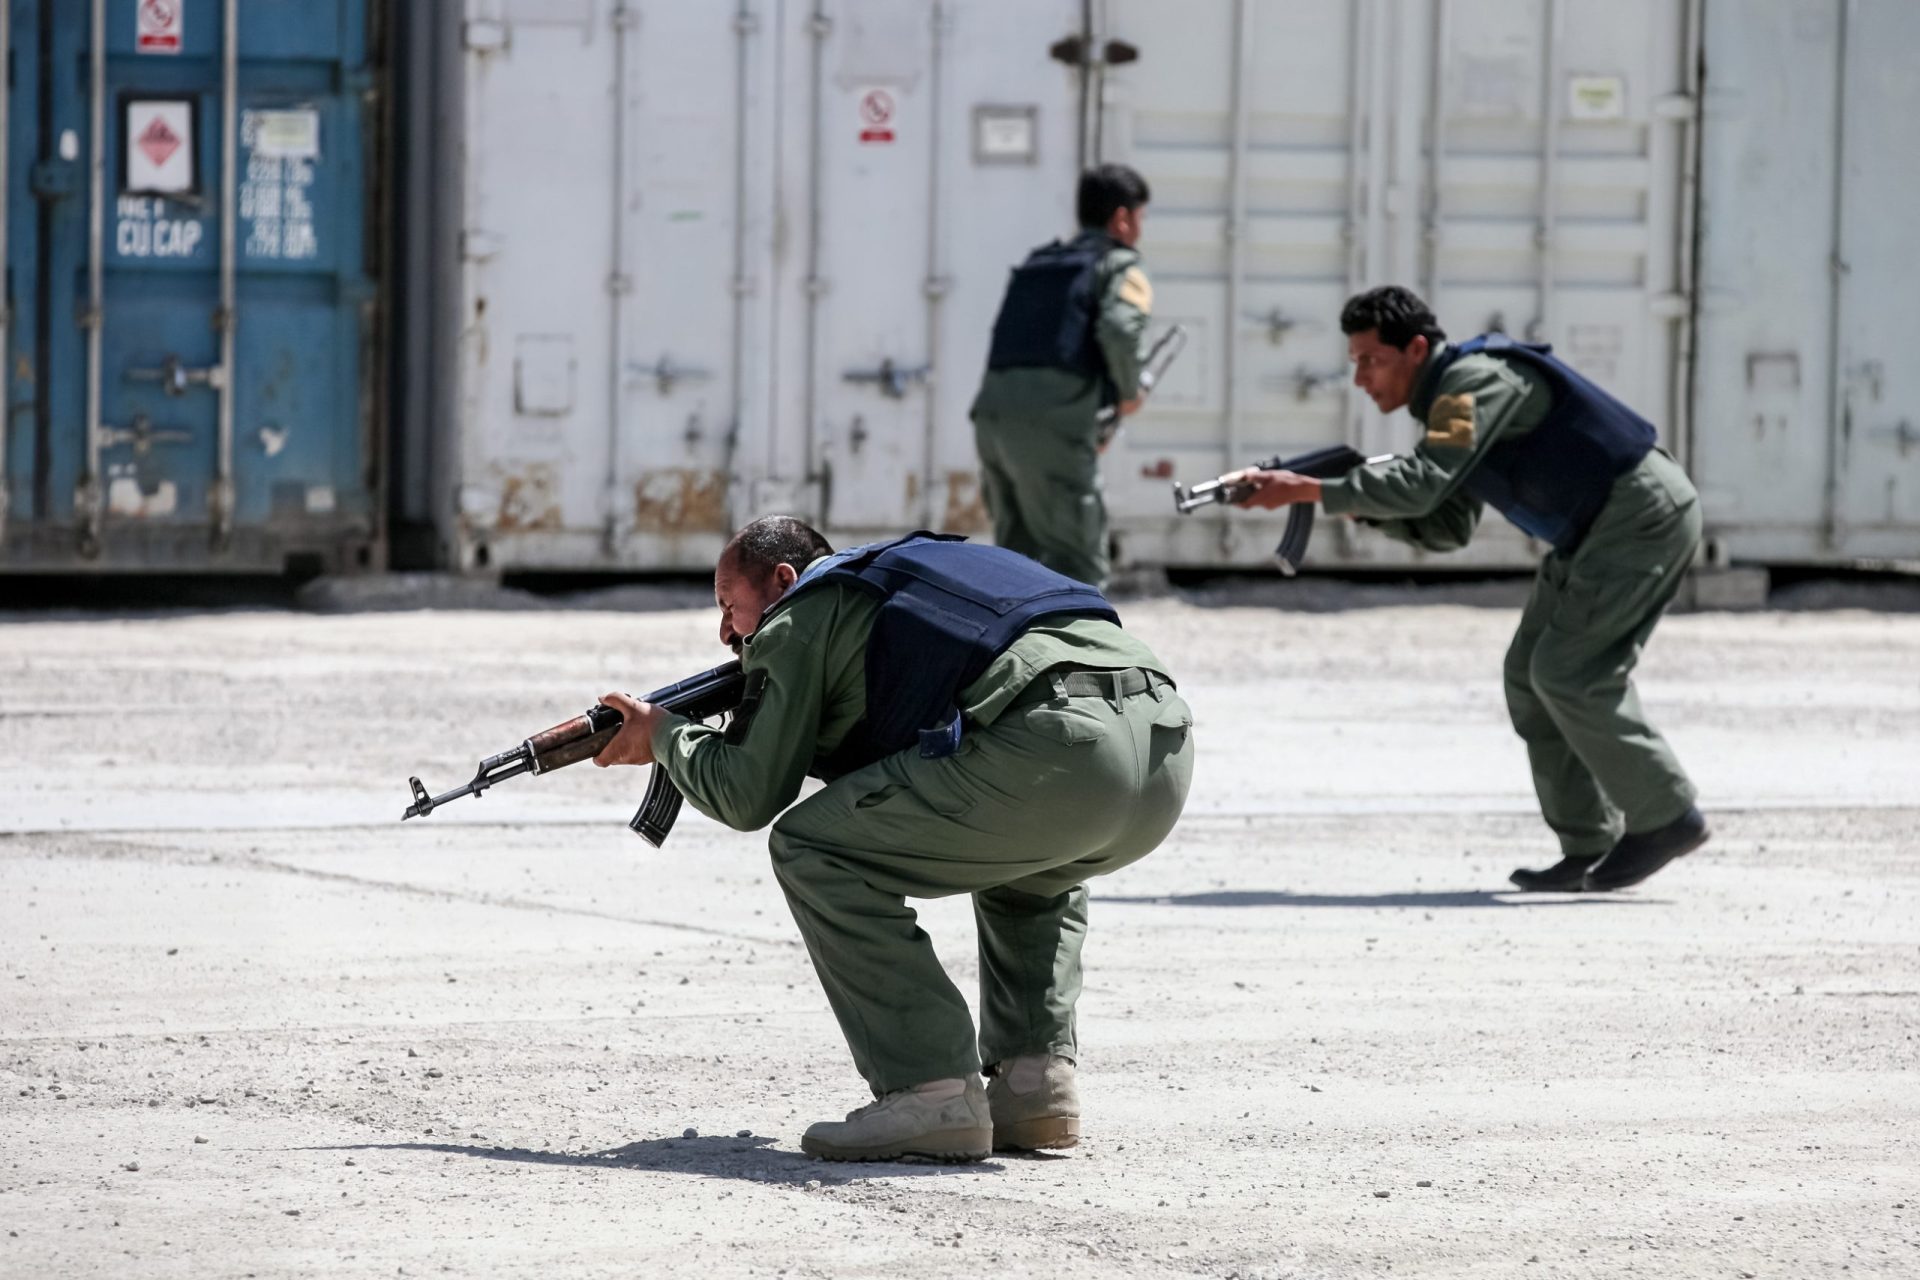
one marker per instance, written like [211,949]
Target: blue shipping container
[192,312]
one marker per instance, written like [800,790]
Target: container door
[1761,440]
[196,289]
[606,287]
[875,96]
[1008,128]
[1878,485]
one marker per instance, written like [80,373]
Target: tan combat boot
[1034,1102]
[940,1120]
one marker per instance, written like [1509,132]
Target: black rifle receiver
[710,693]
[1321,464]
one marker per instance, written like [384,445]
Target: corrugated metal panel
[1808,441]
[190,363]
[1518,164]
[717,260]
[724,260]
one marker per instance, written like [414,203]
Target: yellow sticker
[1450,422]
[1135,291]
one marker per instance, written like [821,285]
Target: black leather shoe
[1568,875]
[1639,855]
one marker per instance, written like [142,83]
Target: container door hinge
[892,379]
[481,35]
[1078,51]
[477,245]
[1667,306]
[1676,106]
[220,509]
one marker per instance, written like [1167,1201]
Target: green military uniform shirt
[811,656]
[1478,401]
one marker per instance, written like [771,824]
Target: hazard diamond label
[159,142]
[159,146]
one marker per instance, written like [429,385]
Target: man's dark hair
[775,540]
[1398,314]
[1110,187]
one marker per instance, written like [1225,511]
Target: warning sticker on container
[286,135]
[876,115]
[157,25]
[159,146]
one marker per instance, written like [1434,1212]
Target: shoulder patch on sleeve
[1450,422]
[1135,291]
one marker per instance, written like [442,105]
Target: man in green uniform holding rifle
[1510,426]
[1066,344]
[985,727]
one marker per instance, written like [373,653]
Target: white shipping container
[1808,439]
[722,259]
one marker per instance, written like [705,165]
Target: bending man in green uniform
[986,728]
[1066,343]
[1512,427]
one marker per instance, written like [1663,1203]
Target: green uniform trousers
[1040,477]
[1598,767]
[1055,790]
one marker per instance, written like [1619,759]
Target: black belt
[1111,685]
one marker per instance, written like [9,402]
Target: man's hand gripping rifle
[710,693]
[1153,368]
[1321,464]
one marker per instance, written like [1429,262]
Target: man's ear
[786,575]
[1419,348]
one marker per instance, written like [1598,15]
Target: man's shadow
[1448,898]
[750,1159]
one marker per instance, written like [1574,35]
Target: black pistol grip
[658,810]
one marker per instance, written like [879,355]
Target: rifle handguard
[708,694]
[1321,464]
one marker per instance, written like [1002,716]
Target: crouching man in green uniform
[1066,343]
[987,728]
[1512,427]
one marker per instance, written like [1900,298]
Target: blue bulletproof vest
[1553,481]
[1046,321]
[948,609]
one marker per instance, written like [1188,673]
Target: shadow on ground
[1450,898]
[749,1159]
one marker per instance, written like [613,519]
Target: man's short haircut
[1110,187]
[775,540]
[1397,314]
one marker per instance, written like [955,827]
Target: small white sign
[876,108]
[1596,97]
[286,135]
[159,140]
[1005,135]
[157,25]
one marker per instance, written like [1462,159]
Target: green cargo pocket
[1066,724]
[1174,714]
[880,796]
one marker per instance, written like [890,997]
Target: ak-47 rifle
[1322,464]
[1152,369]
[710,693]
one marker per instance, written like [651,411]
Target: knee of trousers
[789,856]
[1564,680]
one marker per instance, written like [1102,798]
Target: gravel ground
[250,1025]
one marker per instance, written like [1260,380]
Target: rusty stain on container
[529,499]
[966,510]
[680,500]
